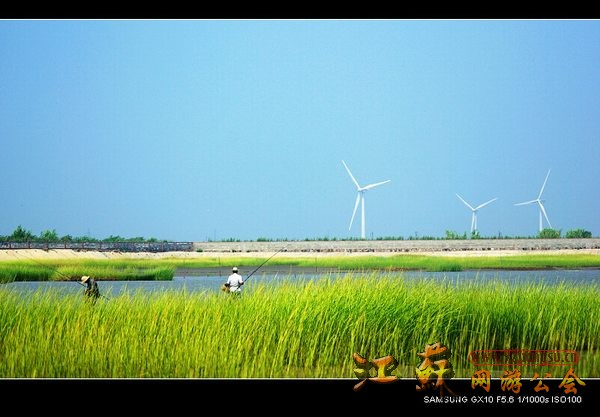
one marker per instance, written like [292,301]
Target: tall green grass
[72,270]
[400,262]
[293,328]
[164,269]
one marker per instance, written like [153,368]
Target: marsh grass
[73,270]
[293,328]
[402,262]
[164,269]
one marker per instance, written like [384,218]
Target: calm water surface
[212,283]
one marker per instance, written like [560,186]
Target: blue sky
[192,130]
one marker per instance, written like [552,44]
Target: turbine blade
[368,187]
[544,211]
[542,190]
[354,211]
[467,204]
[526,202]
[351,176]
[486,203]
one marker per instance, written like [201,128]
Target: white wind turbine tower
[360,199]
[539,202]
[474,211]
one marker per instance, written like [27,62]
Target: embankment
[478,247]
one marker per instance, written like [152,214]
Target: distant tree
[578,234]
[390,238]
[21,235]
[549,234]
[49,236]
[475,234]
[452,235]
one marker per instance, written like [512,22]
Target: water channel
[210,281]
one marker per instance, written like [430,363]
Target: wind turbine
[474,211]
[539,202]
[360,199]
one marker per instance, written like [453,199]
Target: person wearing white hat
[91,291]
[234,281]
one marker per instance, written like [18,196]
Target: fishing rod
[259,266]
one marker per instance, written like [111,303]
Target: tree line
[20,234]
[543,234]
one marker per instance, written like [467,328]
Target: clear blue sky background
[217,129]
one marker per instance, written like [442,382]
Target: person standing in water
[234,282]
[91,291]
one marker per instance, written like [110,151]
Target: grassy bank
[164,269]
[74,269]
[403,262]
[300,329]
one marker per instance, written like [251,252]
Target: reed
[293,328]
[402,262]
[73,270]
[164,269]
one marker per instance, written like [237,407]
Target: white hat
[84,279]
[235,269]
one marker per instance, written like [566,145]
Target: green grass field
[304,329]
[74,269]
